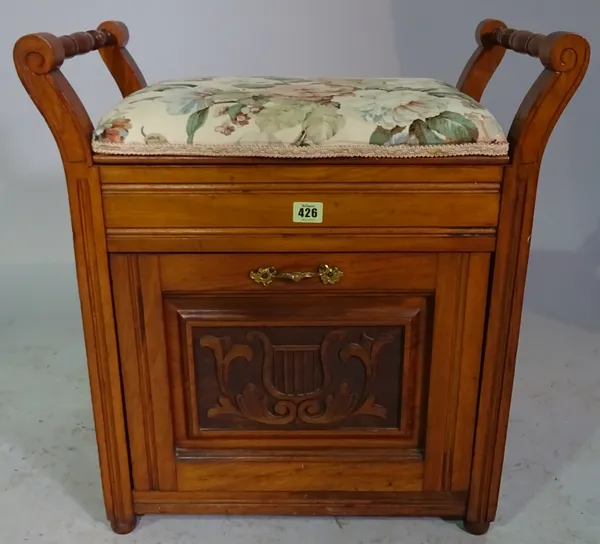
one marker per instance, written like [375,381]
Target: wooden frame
[90,179]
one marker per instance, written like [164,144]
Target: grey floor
[49,482]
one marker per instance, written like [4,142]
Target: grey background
[312,37]
[47,449]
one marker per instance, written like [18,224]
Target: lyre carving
[297,380]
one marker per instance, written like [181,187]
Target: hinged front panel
[364,384]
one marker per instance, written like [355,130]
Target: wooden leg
[124,526]
[91,257]
[477,527]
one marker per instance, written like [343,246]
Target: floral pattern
[286,116]
[114,130]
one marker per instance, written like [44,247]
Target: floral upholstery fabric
[298,117]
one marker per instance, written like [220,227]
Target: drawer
[159,206]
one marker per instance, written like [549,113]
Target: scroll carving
[297,383]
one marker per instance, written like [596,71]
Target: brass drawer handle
[327,274]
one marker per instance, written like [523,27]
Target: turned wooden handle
[38,58]
[80,43]
[557,51]
[520,41]
[44,52]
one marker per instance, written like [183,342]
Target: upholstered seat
[298,117]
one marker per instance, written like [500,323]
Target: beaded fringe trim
[498,149]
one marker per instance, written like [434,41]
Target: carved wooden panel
[297,378]
[324,366]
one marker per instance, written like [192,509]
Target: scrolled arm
[38,58]
[45,52]
[550,49]
[565,57]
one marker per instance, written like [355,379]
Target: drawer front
[127,206]
[363,384]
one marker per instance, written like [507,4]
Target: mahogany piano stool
[301,297]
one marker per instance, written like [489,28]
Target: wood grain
[166,208]
[483,63]
[38,58]
[358,449]
[448,236]
[101,344]
[456,346]
[304,503]
[191,302]
[459,446]
[138,310]
[298,172]
[120,63]
[133,353]
[239,476]
[565,57]
[348,240]
[215,273]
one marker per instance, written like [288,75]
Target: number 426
[307,212]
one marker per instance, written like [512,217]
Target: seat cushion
[298,117]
